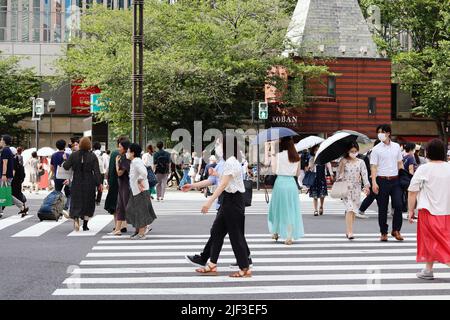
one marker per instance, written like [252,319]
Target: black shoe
[196,260]
[24,210]
[123,230]
[235,265]
[85,225]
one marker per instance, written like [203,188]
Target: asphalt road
[48,261]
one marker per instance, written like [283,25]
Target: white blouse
[284,166]
[138,171]
[148,159]
[432,181]
[233,168]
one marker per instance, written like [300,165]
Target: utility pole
[254,117]
[137,116]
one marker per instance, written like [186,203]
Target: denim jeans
[186,178]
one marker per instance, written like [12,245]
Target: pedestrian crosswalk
[33,228]
[318,266]
[38,229]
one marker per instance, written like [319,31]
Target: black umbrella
[334,147]
[362,138]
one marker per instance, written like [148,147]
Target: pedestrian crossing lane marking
[39,229]
[96,224]
[298,269]
[254,278]
[7,222]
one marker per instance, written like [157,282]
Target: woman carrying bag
[139,210]
[348,185]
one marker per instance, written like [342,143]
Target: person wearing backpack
[96,146]
[162,167]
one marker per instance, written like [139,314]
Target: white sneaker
[147,230]
[139,237]
[361,215]
[425,275]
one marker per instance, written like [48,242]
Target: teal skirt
[285,218]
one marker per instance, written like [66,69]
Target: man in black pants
[213,179]
[386,160]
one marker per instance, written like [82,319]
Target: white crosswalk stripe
[318,266]
[166,208]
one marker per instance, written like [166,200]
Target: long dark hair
[350,146]
[287,143]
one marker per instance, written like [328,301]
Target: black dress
[86,178]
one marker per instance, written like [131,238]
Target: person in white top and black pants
[386,160]
[231,216]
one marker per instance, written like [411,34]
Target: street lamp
[137,113]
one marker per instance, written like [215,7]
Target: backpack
[163,163]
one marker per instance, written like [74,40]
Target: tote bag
[5,195]
[63,174]
[339,190]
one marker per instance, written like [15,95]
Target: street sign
[263,113]
[39,107]
[97,104]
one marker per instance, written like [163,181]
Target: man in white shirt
[386,160]
[96,146]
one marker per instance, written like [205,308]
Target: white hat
[13,150]
[418,146]
[213,158]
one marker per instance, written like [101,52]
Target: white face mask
[353,155]
[128,155]
[382,137]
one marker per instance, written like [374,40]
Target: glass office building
[45,21]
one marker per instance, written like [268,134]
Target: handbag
[248,192]
[269,180]
[151,177]
[63,174]
[309,179]
[339,190]
[5,195]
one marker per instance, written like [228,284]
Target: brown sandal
[208,270]
[246,273]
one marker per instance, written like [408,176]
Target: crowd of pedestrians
[393,174]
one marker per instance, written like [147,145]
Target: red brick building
[359,97]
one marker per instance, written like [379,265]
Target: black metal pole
[141,73]
[134,75]
[37,135]
[257,154]
[137,109]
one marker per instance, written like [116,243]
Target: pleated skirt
[285,217]
[433,237]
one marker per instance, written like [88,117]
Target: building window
[331,87]
[372,105]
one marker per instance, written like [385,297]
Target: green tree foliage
[201,61]
[423,69]
[17,85]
